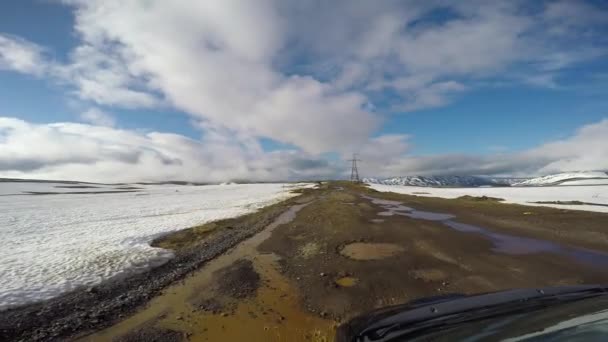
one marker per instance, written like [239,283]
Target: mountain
[446,181]
[568,178]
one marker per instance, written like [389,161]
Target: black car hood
[413,319]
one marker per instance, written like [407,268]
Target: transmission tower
[354,172]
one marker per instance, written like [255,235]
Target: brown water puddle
[274,314]
[347,281]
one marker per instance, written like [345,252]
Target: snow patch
[521,195]
[56,243]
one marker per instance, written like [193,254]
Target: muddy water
[347,281]
[503,243]
[274,314]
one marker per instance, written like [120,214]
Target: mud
[239,296]
[370,251]
[238,280]
[235,282]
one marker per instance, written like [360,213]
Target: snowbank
[521,195]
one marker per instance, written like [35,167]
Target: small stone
[224,314]
[179,318]
[322,274]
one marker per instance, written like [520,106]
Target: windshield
[271,170]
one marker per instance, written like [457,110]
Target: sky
[212,91]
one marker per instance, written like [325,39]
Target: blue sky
[404,82]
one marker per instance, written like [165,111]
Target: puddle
[347,281]
[273,314]
[370,251]
[502,243]
[427,215]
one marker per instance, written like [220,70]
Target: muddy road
[344,249]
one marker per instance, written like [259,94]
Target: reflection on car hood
[446,313]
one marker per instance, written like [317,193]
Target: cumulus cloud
[20,55]
[586,149]
[98,117]
[305,73]
[94,153]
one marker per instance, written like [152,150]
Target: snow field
[57,243]
[520,195]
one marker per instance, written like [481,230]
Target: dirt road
[343,249]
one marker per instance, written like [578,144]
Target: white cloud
[587,149]
[98,117]
[94,153]
[306,73]
[20,55]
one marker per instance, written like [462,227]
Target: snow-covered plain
[521,195]
[56,243]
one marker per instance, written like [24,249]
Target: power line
[354,172]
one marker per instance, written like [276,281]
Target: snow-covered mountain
[446,181]
[568,178]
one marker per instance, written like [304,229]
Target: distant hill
[565,178]
[446,181]
[568,178]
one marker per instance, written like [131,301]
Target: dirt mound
[232,283]
[238,280]
[370,251]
